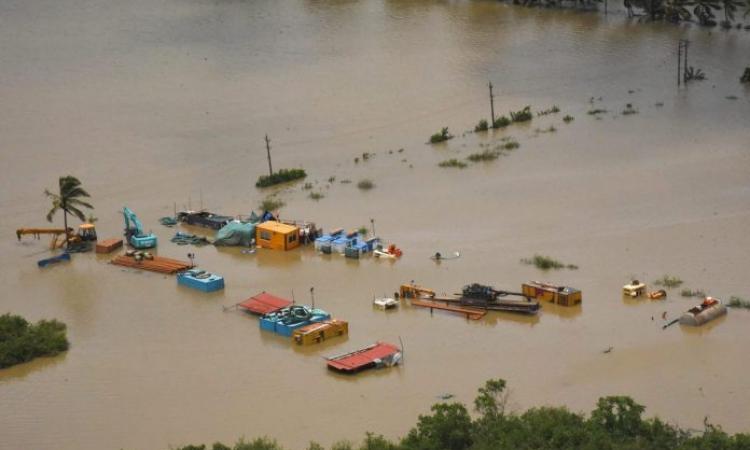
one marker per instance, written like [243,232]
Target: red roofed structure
[264,303]
[380,354]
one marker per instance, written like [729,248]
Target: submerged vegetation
[568,118]
[596,111]
[365,184]
[668,281]
[738,302]
[271,204]
[482,126]
[616,423]
[554,110]
[629,110]
[501,122]
[21,341]
[282,176]
[523,115]
[453,162]
[486,155]
[316,195]
[546,263]
[442,136]
[693,293]
[745,78]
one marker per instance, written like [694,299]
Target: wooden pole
[492,106]
[679,61]
[685,65]
[268,153]
[372,222]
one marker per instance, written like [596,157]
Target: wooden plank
[471,313]
[158,264]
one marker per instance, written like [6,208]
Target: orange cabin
[277,235]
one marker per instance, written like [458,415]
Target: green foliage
[342,445]
[738,302]
[316,195]
[307,186]
[745,78]
[442,136]
[481,126]
[21,341]
[596,111]
[546,263]
[376,442]
[501,122]
[271,204]
[553,110]
[510,145]
[693,74]
[453,162]
[691,293]
[523,115]
[68,199]
[448,428]
[365,184]
[668,281]
[282,176]
[629,110]
[314,446]
[619,416]
[486,155]
[262,443]
[490,401]
[568,118]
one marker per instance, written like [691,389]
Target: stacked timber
[108,245]
[156,264]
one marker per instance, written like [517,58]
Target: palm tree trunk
[65,221]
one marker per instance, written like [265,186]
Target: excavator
[134,231]
[86,232]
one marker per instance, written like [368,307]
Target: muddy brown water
[153,104]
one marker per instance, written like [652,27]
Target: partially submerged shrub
[553,110]
[307,186]
[745,78]
[629,110]
[738,302]
[546,263]
[595,111]
[523,115]
[365,184]
[453,162]
[316,195]
[568,118]
[691,293]
[486,155]
[271,203]
[510,145]
[501,122]
[282,176]
[481,126]
[693,74]
[668,281]
[444,135]
[21,341]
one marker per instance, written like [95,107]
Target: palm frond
[76,212]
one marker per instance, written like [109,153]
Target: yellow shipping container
[319,332]
[560,295]
[276,235]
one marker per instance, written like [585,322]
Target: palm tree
[730,7]
[69,200]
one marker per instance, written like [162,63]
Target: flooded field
[153,104]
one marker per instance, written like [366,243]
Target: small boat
[708,310]
[201,280]
[657,295]
[391,252]
[54,260]
[634,289]
[385,303]
[380,354]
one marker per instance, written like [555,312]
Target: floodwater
[154,104]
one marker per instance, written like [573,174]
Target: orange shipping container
[277,235]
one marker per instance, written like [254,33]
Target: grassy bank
[617,423]
[21,341]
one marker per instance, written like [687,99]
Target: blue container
[201,280]
[284,321]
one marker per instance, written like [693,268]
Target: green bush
[523,115]
[316,195]
[668,281]
[442,136]
[481,126]
[501,122]
[282,176]
[270,204]
[738,302]
[596,111]
[745,78]
[487,155]
[365,184]
[568,118]
[453,162]
[21,341]
[691,293]
[546,263]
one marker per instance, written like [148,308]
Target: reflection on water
[152,104]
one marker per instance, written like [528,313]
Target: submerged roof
[264,303]
[361,358]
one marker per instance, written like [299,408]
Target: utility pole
[685,65]
[679,61]
[492,106]
[268,152]
[372,222]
